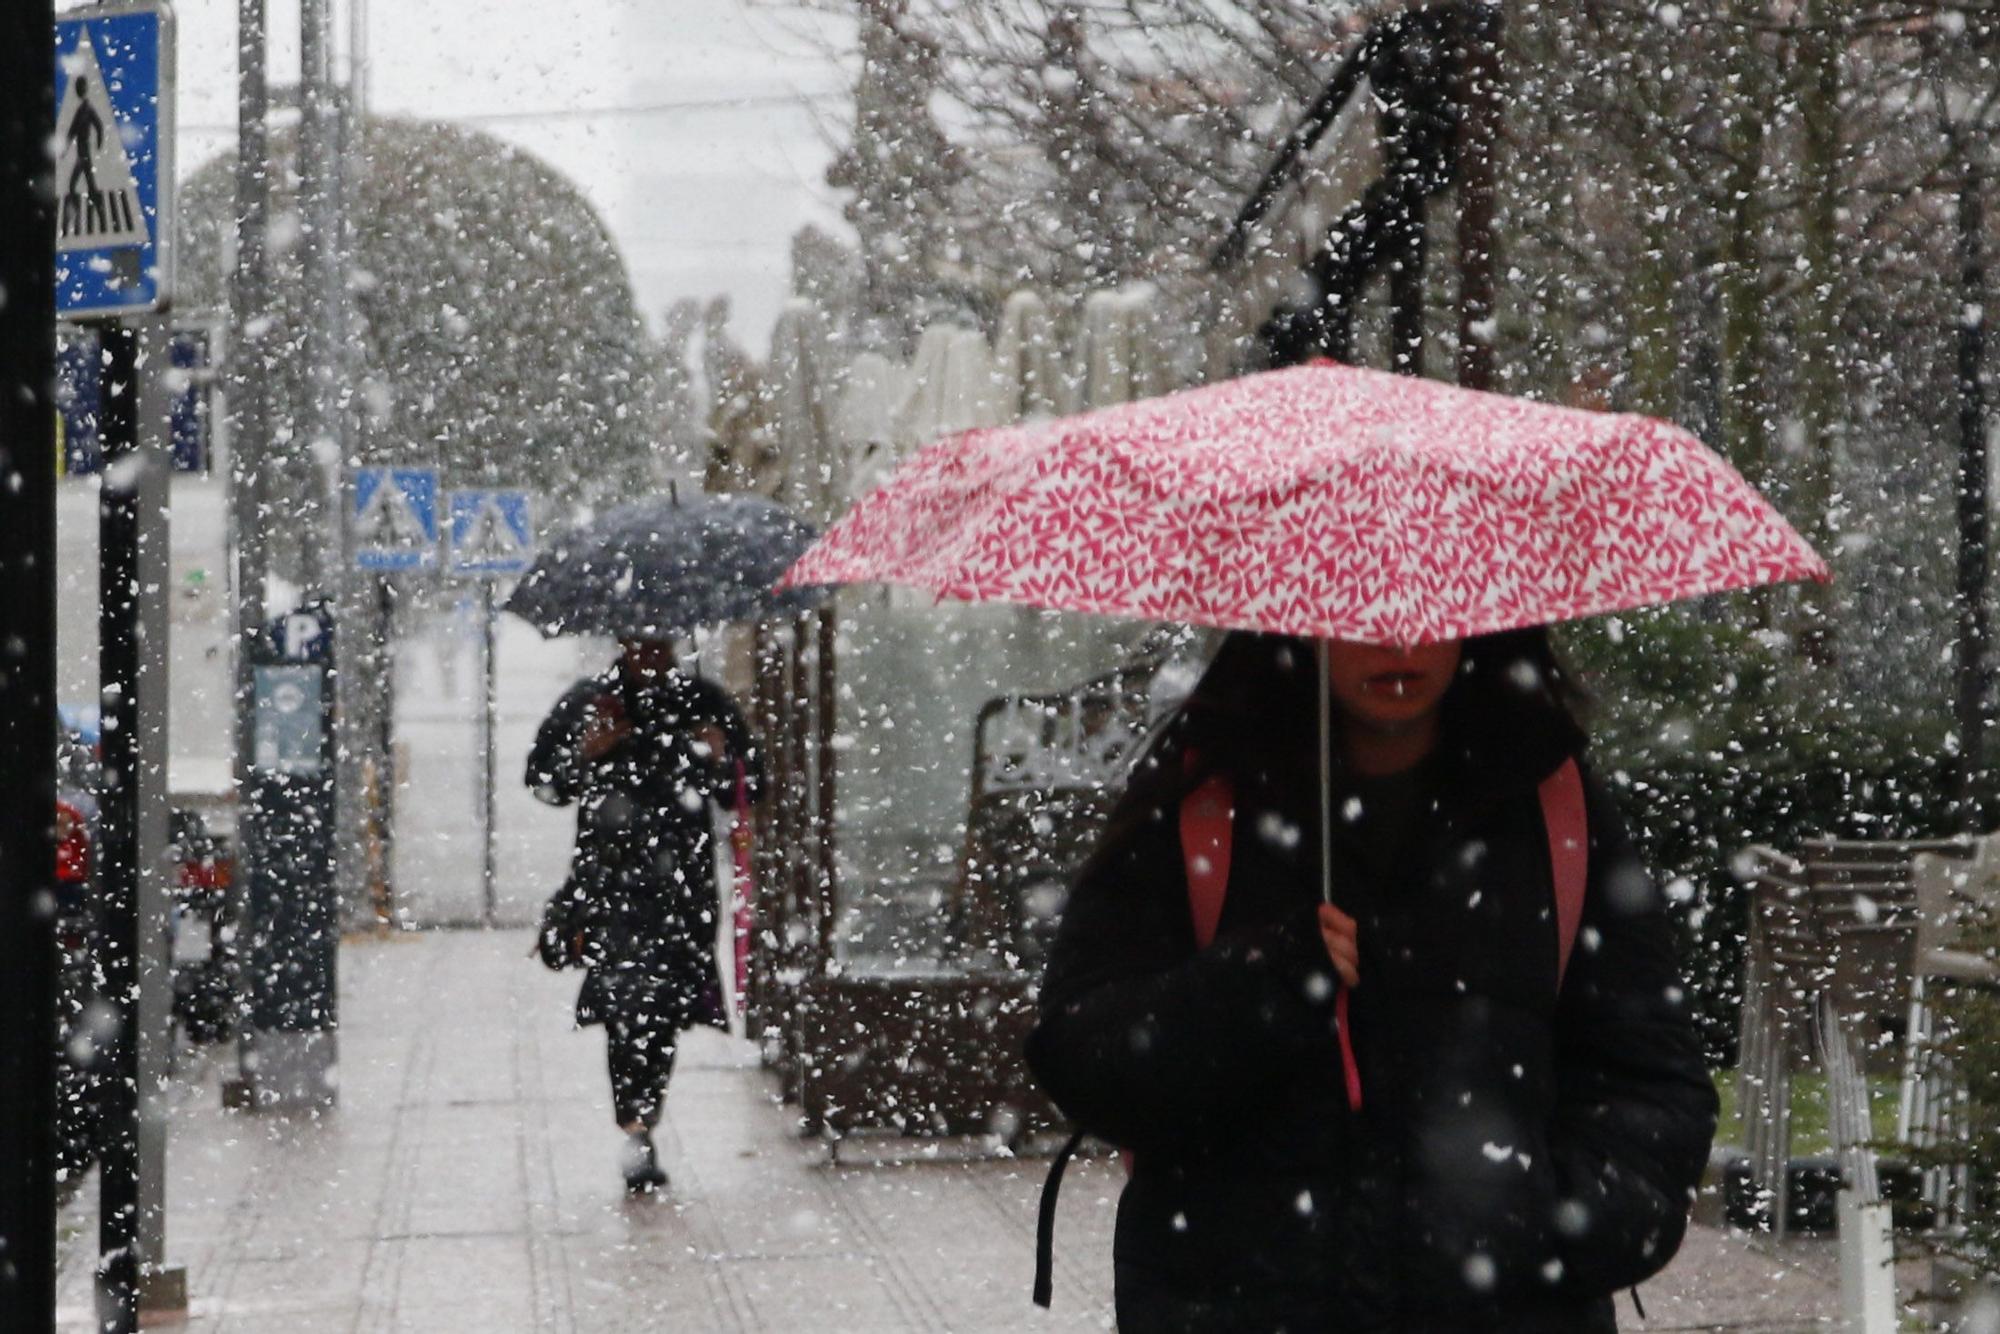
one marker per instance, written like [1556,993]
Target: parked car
[200,926]
[79,1015]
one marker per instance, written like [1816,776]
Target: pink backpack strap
[1205,817]
[1207,822]
[1569,855]
[1206,813]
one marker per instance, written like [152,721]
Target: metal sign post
[491,537]
[118,866]
[113,84]
[489,870]
[133,962]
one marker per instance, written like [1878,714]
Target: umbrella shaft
[1325,690]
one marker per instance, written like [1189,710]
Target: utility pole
[286,1044]
[319,211]
[249,394]
[288,786]
[28,661]
[357,60]
[322,158]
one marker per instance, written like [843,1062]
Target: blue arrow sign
[395,518]
[491,533]
[114,135]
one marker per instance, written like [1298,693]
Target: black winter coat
[1520,1155]
[644,865]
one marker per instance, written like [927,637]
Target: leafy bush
[1716,737]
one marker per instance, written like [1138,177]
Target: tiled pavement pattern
[468,1183]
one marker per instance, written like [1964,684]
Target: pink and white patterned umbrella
[1321,501]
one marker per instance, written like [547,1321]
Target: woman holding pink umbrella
[1364,976]
[1506,1137]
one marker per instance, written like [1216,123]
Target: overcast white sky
[694,126]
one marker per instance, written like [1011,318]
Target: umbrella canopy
[1324,501]
[660,567]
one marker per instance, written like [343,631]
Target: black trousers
[640,1052]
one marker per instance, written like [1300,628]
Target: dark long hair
[1257,704]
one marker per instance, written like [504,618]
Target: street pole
[367,697]
[133,1276]
[249,396]
[1973,633]
[162,1285]
[825,762]
[320,259]
[357,60]
[768,910]
[28,661]
[328,359]
[286,1037]
[118,832]
[488,728]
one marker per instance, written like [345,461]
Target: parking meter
[290,910]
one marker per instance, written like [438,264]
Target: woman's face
[648,659]
[1390,689]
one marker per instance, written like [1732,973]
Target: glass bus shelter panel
[977,750]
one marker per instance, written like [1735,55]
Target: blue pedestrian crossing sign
[491,534]
[114,141]
[395,518]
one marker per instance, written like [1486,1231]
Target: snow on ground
[468,1181]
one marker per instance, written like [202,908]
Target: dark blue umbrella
[660,567]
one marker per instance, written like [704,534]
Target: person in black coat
[1522,1150]
[643,749]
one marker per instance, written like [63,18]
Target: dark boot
[643,1173]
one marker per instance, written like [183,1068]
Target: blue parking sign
[114,83]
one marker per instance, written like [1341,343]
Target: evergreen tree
[901,173]
[494,332]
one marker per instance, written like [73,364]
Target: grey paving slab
[468,1182]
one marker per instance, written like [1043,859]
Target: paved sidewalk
[468,1183]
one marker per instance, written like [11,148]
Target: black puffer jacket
[1520,1155]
